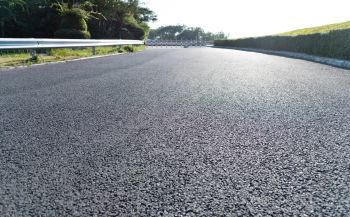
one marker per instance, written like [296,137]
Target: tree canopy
[182,32]
[127,19]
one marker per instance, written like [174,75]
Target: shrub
[72,34]
[73,19]
[73,25]
[335,44]
[129,48]
[134,30]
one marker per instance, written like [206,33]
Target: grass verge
[332,41]
[318,29]
[61,54]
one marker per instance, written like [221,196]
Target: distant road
[176,132]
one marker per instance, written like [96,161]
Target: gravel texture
[176,132]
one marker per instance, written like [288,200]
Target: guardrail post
[93,51]
[34,54]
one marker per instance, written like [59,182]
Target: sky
[244,18]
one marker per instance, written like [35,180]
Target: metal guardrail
[170,43]
[33,43]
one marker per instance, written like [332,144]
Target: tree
[121,19]
[8,12]
[73,23]
[182,32]
[106,18]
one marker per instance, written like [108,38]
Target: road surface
[176,132]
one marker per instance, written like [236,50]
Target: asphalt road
[176,132]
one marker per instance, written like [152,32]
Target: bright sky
[243,18]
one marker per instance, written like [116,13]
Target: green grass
[61,54]
[318,29]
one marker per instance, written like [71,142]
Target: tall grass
[13,58]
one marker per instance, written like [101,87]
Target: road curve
[176,132]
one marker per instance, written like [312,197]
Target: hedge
[335,44]
[73,25]
[72,34]
[73,21]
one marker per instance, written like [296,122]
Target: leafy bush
[136,32]
[134,29]
[335,44]
[129,48]
[74,19]
[72,34]
[73,24]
